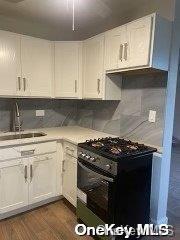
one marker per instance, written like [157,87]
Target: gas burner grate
[117,146]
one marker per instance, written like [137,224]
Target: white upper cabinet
[93,67]
[138,45]
[114,40]
[144,43]
[37,67]
[30,68]
[10,65]
[68,62]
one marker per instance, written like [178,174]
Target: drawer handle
[27,152]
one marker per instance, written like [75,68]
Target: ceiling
[52,19]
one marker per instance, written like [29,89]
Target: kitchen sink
[21,136]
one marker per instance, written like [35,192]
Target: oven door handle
[98,174]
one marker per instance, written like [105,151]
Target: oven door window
[98,189]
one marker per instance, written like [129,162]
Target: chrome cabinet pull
[98,86]
[75,86]
[121,52]
[125,51]
[24,82]
[27,152]
[25,173]
[63,168]
[31,172]
[19,83]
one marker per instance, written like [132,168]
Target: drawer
[27,150]
[70,149]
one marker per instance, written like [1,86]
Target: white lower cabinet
[31,174]
[42,178]
[13,185]
[70,176]
[30,178]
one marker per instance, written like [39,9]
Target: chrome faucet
[16,124]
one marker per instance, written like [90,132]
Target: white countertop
[73,134]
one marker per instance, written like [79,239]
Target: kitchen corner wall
[129,117]
[125,118]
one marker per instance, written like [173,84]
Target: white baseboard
[29,207]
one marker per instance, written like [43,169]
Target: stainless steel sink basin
[21,136]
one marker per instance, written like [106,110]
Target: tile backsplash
[128,117]
[57,113]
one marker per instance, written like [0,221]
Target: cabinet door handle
[98,85]
[125,51]
[75,86]
[31,172]
[25,173]
[121,52]
[63,169]
[19,83]
[24,82]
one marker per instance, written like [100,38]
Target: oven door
[96,190]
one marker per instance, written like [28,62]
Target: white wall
[164,170]
[176,133]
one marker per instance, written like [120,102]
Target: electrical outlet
[40,113]
[152,116]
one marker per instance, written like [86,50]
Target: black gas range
[114,182]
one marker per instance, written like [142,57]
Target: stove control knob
[93,159]
[108,167]
[87,157]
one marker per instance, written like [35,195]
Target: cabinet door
[70,179]
[139,42]
[42,178]
[93,56]
[36,67]
[67,69]
[114,48]
[10,66]
[14,185]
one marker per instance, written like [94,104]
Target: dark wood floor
[55,221]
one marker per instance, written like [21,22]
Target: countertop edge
[48,137]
